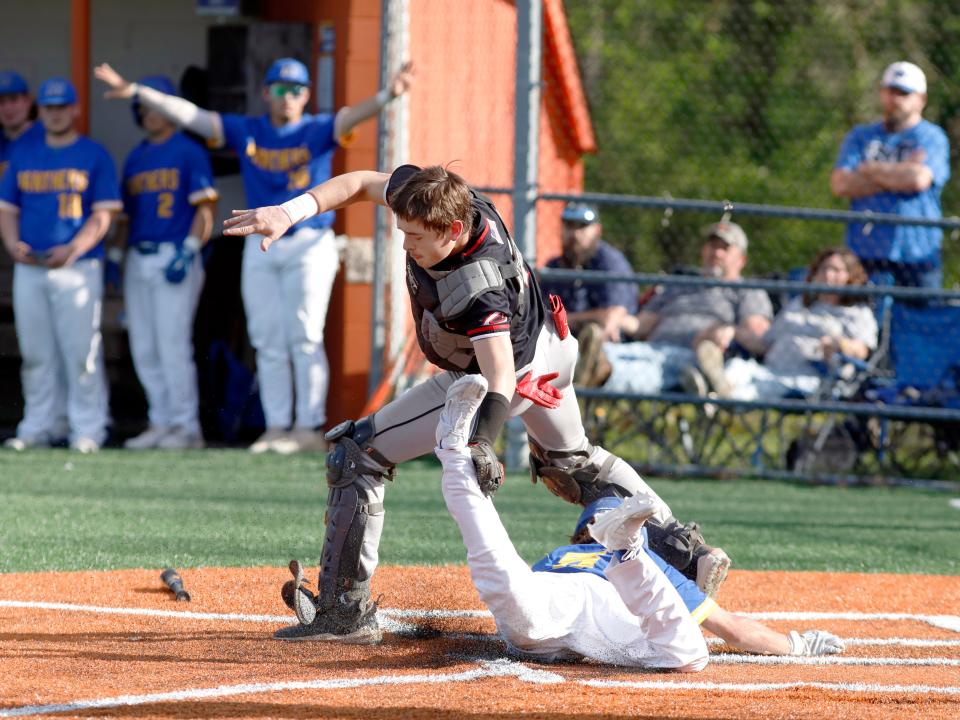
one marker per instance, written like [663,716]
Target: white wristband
[300,208]
[191,243]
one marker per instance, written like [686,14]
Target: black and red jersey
[495,312]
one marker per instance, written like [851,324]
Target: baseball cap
[729,232]
[56,91]
[596,507]
[905,76]
[580,213]
[288,70]
[12,83]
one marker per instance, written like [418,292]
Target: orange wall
[461,110]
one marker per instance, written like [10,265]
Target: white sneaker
[621,528]
[456,421]
[179,439]
[85,445]
[149,438]
[24,443]
[266,442]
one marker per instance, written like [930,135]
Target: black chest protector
[445,295]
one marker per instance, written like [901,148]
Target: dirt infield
[115,644]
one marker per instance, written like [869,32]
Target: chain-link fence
[748,101]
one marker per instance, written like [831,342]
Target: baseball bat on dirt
[171,578]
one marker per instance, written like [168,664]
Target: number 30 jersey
[56,190]
[162,183]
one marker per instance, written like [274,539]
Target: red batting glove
[540,390]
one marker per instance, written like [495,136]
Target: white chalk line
[876,642]
[737,659]
[763,687]
[396,626]
[947,622]
[488,668]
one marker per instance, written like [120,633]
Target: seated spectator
[603,303]
[682,325]
[810,331]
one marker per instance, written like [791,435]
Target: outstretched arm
[184,113]
[351,116]
[273,221]
[754,637]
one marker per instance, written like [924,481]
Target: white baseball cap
[905,76]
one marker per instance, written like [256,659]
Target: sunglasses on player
[279,90]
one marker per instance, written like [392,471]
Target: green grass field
[63,511]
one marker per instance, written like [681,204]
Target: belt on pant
[147,247]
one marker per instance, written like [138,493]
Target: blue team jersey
[56,189]
[279,164]
[595,558]
[161,185]
[580,296]
[898,243]
[32,134]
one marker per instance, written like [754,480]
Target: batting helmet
[597,507]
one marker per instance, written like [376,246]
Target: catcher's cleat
[712,565]
[352,624]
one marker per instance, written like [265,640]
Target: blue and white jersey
[56,190]
[899,243]
[594,558]
[35,133]
[279,164]
[162,184]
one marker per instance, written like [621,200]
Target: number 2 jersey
[516,309]
[57,188]
[594,558]
[162,183]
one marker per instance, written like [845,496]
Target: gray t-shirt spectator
[685,311]
[794,338]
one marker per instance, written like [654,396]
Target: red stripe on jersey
[473,248]
[488,328]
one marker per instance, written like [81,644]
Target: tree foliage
[747,100]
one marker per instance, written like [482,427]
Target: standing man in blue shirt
[602,303]
[169,198]
[285,293]
[15,123]
[56,202]
[899,165]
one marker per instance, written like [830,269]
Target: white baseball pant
[637,619]
[160,326]
[286,292]
[57,317]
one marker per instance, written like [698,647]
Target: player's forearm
[746,634]
[351,116]
[202,225]
[10,230]
[905,177]
[349,188]
[90,233]
[182,112]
